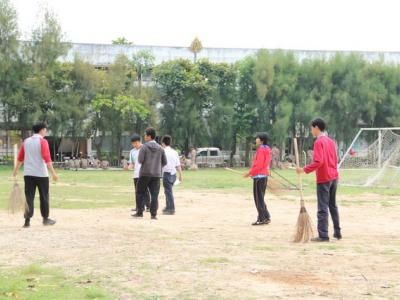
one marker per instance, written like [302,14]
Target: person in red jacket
[325,165]
[260,172]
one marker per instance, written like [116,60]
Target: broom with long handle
[272,186]
[304,231]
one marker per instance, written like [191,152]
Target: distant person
[259,172]
[35,155]
[133,164]
[325,164]
[169,176]
[152,159]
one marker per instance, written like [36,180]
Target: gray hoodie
[152,158]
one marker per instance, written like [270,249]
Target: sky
[370,25]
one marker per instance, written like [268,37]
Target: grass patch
[264,248]
[100,189]
[214,260]
[35,282]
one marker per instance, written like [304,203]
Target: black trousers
[144,185]
[326,194]
[146,198]
[259,187]
[42,183]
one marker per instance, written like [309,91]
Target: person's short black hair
[263,137]
[151,132]
[318,122]
[166,140]
[37,127]
[135,138]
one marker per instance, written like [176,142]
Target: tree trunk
[233,148]
[98,142]
[247,153]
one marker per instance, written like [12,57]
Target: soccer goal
[373,159]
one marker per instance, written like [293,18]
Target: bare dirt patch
[208,250]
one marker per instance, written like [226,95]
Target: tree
[122,41]
[184,96]
[12,68]
[196,47]
[115,108]
[43,87]
[142,64]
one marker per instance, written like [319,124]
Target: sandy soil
[208,250]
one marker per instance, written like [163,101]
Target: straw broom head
[304,231]
[17,200]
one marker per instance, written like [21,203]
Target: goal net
[373,159]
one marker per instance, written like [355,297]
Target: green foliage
[122,41]
[199,103]
[35,282]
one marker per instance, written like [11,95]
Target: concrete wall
[103,55]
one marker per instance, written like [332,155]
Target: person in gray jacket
[152,159]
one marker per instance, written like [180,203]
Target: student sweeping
[35,155]
[260,172]
[325,165]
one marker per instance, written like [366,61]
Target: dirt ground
[208,250]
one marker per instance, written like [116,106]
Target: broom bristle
[304,231]
[17,201]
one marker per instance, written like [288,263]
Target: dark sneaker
[27,224]
[168,212]
[256,223]
[48,222]
[319,240]
[137,215]
[337,236]
[154,217]
[264,222]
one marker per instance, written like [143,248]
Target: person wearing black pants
[260,172]
[259,188]
[42,183]
[152,159]
[147,196]
[35,155]
[133,164]
[144,185]
[325,162]
[326,194]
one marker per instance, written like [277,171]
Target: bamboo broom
[304,231]
[274,185]
[17,200]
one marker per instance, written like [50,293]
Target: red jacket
[261,161]
[325,161]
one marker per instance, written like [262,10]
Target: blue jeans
[326,193]
[168,182]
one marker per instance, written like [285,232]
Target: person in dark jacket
[152,159]
[260,172]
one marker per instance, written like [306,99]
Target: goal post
[372,159]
